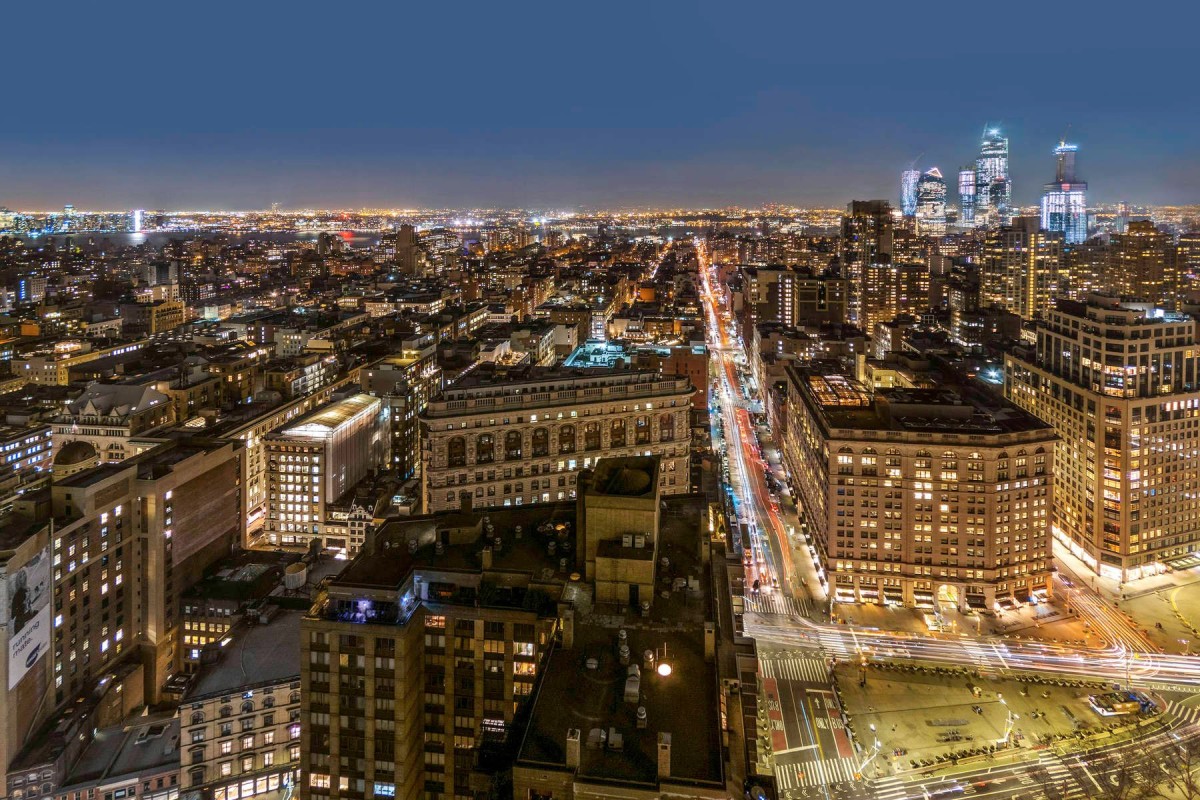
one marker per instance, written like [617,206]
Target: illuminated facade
[516,438]
[1120,382]
[993,187]
[921,497]
[966,196]
[1021,268]
[315,461]
[908,191]
[1064,203]
[931,203]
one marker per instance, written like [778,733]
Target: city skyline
[699,109]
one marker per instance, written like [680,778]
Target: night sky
[567,104]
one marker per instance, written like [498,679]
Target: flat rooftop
[574,695]
[257,654]
[957,409]
[391,565]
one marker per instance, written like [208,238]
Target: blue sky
[238,105]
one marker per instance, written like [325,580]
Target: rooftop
[125,752]
[321,423]
[254,655]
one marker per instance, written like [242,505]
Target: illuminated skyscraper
[993,188]
[966,196]
[908,191]
[1064,203]
[931,203]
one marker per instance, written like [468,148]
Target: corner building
[921,497]
[1118,380]
[503,438]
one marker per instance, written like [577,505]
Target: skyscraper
[866,246]
[993,188]
[908,191]
[1022,268]
[966,196]
[931,203]
[1064,204]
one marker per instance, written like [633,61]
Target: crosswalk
[777,603]
[1187,714]
[822,772]
[889,788]
[795,668]
[1055,769]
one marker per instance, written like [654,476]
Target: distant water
[157,239]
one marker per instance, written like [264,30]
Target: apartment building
[921,497]
[240,718]
[501,437]
[1120,382]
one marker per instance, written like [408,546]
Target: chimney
[664,755]
[573,748]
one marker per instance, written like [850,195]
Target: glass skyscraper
[1064,202]
[908,192]
[993,188]
[966,196]
[931,203]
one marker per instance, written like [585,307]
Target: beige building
[109,416]
[921,497]
[514,437]
[1022,268]
[1119,382]
[240,719]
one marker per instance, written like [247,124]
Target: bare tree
[1180,765]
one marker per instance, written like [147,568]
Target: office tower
[1064,202]
[315,461]
[407,251]
[1117,379]
[908,191]
[865,250]
[948,466]
[514,437]
[1144,263]
[993,188]
[966,196]
[931,204]
[1021,268]
[137,220]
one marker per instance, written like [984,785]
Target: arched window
[456,452]
[591,436]
[616,433]
[566,439]
[512,445]
[197,717]
[247,706]
[541,442]
[666,428]
[485,448]
[642,426]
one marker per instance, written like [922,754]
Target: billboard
[29,616]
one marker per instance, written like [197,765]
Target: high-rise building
[408,252]
[1118,381]
[931,203]
[514,437]
[1144,263]
[908,191]
[966,196]
[964,480]
[793,296]
[1021,268]
[993,188]
[315,461]
[406,381]
[865,246]
[1064,203]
